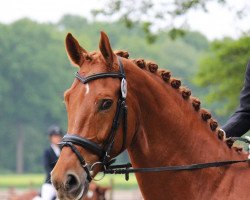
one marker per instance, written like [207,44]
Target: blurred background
[204,42]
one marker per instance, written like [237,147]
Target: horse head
[96,105]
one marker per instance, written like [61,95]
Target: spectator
[50,157]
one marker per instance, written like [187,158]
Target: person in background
[239,123]
[50,158]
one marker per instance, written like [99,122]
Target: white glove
[247,137]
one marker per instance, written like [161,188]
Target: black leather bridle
[104,151]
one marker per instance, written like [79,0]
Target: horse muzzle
[71,187]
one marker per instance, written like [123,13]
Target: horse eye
[106,104]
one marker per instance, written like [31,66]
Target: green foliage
[175,32]
[35,71]
[151,38]
[32,62]
[222,72]
[165,13]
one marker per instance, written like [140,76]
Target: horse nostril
[71,182]
[56,185]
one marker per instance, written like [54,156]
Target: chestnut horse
[165,127]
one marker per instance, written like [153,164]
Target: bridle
[104,151]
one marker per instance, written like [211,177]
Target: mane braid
[121,53]
[165,75]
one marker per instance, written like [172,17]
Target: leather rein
[104,151]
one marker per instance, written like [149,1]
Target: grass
[36,180]
[21,180]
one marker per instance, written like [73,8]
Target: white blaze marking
[87,88]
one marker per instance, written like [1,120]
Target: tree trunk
[19,149]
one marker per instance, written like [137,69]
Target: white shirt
[56,149]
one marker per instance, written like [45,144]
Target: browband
[98,76]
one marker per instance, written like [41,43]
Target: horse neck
[170,130]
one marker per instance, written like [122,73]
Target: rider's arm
[239,123]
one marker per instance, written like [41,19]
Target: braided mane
[185,93]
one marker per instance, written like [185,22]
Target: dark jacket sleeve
[239,123]
[49,161]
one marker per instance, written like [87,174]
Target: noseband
[103,152]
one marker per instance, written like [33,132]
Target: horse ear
[106,50]
[74,50]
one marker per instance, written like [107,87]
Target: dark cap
[55,130]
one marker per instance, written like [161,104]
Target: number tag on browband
[124,88]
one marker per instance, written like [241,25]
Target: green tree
[33,67]
[222,72]
[171,15]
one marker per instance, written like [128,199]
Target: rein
[70,140]
[127,168]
